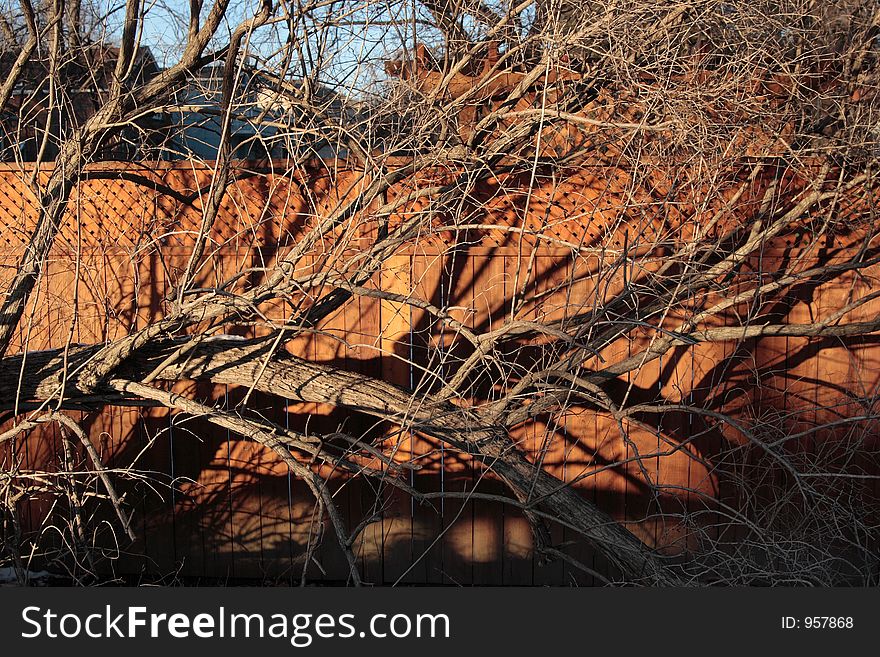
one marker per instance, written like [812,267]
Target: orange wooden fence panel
[225,507]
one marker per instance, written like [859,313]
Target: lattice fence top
[134,206]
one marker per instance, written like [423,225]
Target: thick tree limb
[292,378]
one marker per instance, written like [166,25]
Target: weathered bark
[289,377]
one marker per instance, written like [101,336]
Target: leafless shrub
[704,168]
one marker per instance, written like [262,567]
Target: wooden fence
[214,505]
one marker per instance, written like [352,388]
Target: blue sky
[368,33]
[353,51]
